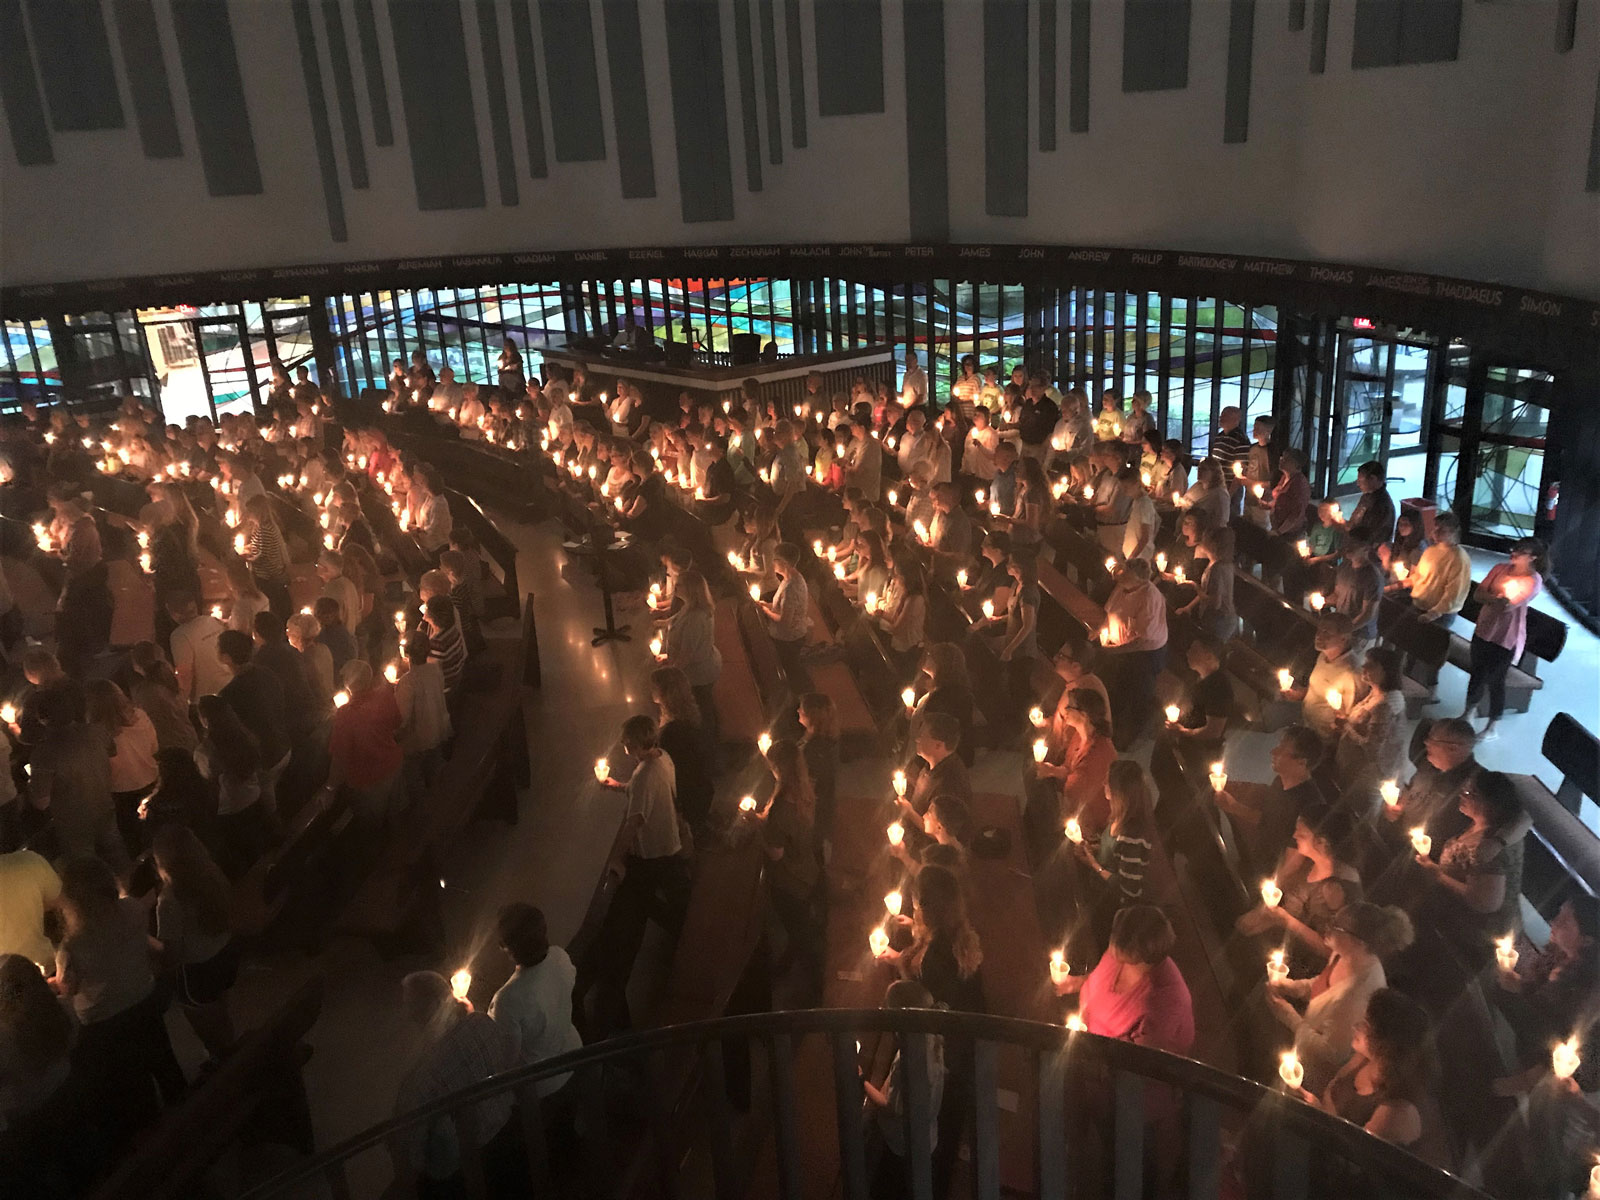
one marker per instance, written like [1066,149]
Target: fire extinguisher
[1551,496]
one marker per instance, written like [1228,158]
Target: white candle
[988,609]
[239,543]
[978,495]
[8,713]
[1401,571]
[1161,561]
[1144,478]
[1290,1070]
[1390,791]
[1088,491]
[1564,1058]
[1505,952]
[1318,600]
[747,805]
[1334,698]
[1036,716]
[894,496]
[1058,966]
[1420,841]
[655,646]
[1173,713]
[602,769]
[921,530]
[146,563]
[764,742]
[1040,749]
[1075,1023]
[1271,893]
[961,577]
[994,508]
[838,570]
[1260,490]
[900,783]
[871,602]
[1277,969]
[1073,830]
[878,942]
[1304,547]
[897,834]
[892,902]
[1111,565]
[216,611]
[755,591]
[1285,679]
[1238,470]
[1337,514]
[1178,575]
[909,697]
[460,982]
[341,698]
[391,672]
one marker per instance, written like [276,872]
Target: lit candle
[1290,1070]
[655,646]
[1334,698]
[1337,514]
[144,539]
[1304,548]
[1178,575]
[1318,600]
[1219,777]
[341,698]
[894,496]
[1285,679]
[1277,969]
[146,562]
[838,570]
[1401,571]
[1036,716]
[1040,749]
[1390,791]
[1564,1059]
[1144,478]
[1594,1182]
[994,508]
[1075,1023]
[764,742]
[1111,564]
[1058,966]
[897,834]
[216,611]
[747,805]
[878,942]
[460,982]
[755,591]
[238,543]
[833,554]
[602,769]
[8,713]
[871,602]
[1172,712]
[1073,830]
[735,560]
[1259,490]
[1505,952]
[978,494]
[988,609]
[1238,470]
[816,547]
[1177,498]
[892,902]
[327,540]
[1088,491]
[921,530]
[1105,635]
[900,783]
[961,577]
[1420,841]
[1271,893]
[391,672]
[909,697]
[1161,561]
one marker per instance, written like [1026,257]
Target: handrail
[1366,1152]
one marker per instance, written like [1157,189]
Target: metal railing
[1089,1108]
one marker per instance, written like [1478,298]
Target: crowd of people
[1389,888]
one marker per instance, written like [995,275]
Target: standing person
[1372,735]
[794,865]
[1229,445]
[1212,606]
[536,1004]
[690,645]
[333,633]
[265,552]
[1112,870]
[1443,575]
[1134,643]
[884,1105]
[230,757]
[1290,497]
[330,569]
[364,755]
[133,754]
[460,1048]
[1502,629]
[248,598]
[1358,589]
[194,648]
[29,887]
[317,659]
[914,383]
[446,646]
[71,780]
[1266,828]
[256,696]
[102,970]
[425,725]
[433,522]
[1197,737]
[653,876]
[683,738]
[1333,675]
[788,616]
[194,928]
[155,690]
[1373,519]
[905,614]
[820,744]
[273,653]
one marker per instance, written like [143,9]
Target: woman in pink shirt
[1502,629]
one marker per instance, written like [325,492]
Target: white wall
[1472,168]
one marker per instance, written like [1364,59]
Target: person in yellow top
[1443,576]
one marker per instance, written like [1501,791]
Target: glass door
[1363,408]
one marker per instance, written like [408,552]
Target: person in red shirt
[365,756]
[1290,497]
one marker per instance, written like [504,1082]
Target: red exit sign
[1361,323]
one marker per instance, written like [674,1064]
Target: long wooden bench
[396,906]
[741,714]
[1424,645]
[1561,855]
[297,869]
[256,1093]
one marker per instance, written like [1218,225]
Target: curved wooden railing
[1091,1104]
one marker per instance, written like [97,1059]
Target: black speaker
[745,348]
[679,354]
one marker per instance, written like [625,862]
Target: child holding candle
[1502,628]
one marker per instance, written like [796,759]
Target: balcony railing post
[781,1051]
[530,1113]
[918,1113]
[1052,1068]
[985,1121]
[720,1116]
[848,1096]
[1205,1148]
[470,1151]
[1129,1136]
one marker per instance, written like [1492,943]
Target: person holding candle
[364,755]
[1076,784]
[1371,744]
[535,1005]
[1502,628]
[1432,796]
[425,726]
[690,645]
[133,741]
[1358,589]
[884,1105]
[302,631]
[794,867]
[948,690]
[1315,879]
[194,934]
[1322,1011]
[683,737]
[1136,648]
[1439,582]
[1373,519]
[265,552]
[939,770]
[1385,1085]
[1070,669]
[1333,672]
[1187,746]
[1551,993]
[1212,607]
[820,743]
[904,618]
[1109,872]
[441,629]
[788,616]
[1266,827]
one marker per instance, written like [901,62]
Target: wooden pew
[1083,618]
[398,900]
[1561,855]
[256,1093]
[1425,646]
[297,869]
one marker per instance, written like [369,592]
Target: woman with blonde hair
[794,863]
[682,735]
[194,927]
[133,753]
[690,643]
[302,629]
[248,598]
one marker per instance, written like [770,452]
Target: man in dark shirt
[1036,420]
[1358,589]
[341,643]
[716,503]
[1186,748]
[273,653]
[1265,826]
[1229,445]
[1373,519]
[256,696]
[938,738]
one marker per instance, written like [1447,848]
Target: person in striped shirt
[446,646]
[1113,873]
[264,551]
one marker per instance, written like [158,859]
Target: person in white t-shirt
[194,648]
[914,383]
[536,1002]
[28,886]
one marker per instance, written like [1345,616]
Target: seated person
[1265,826]
[1552,993]
[1316,879]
